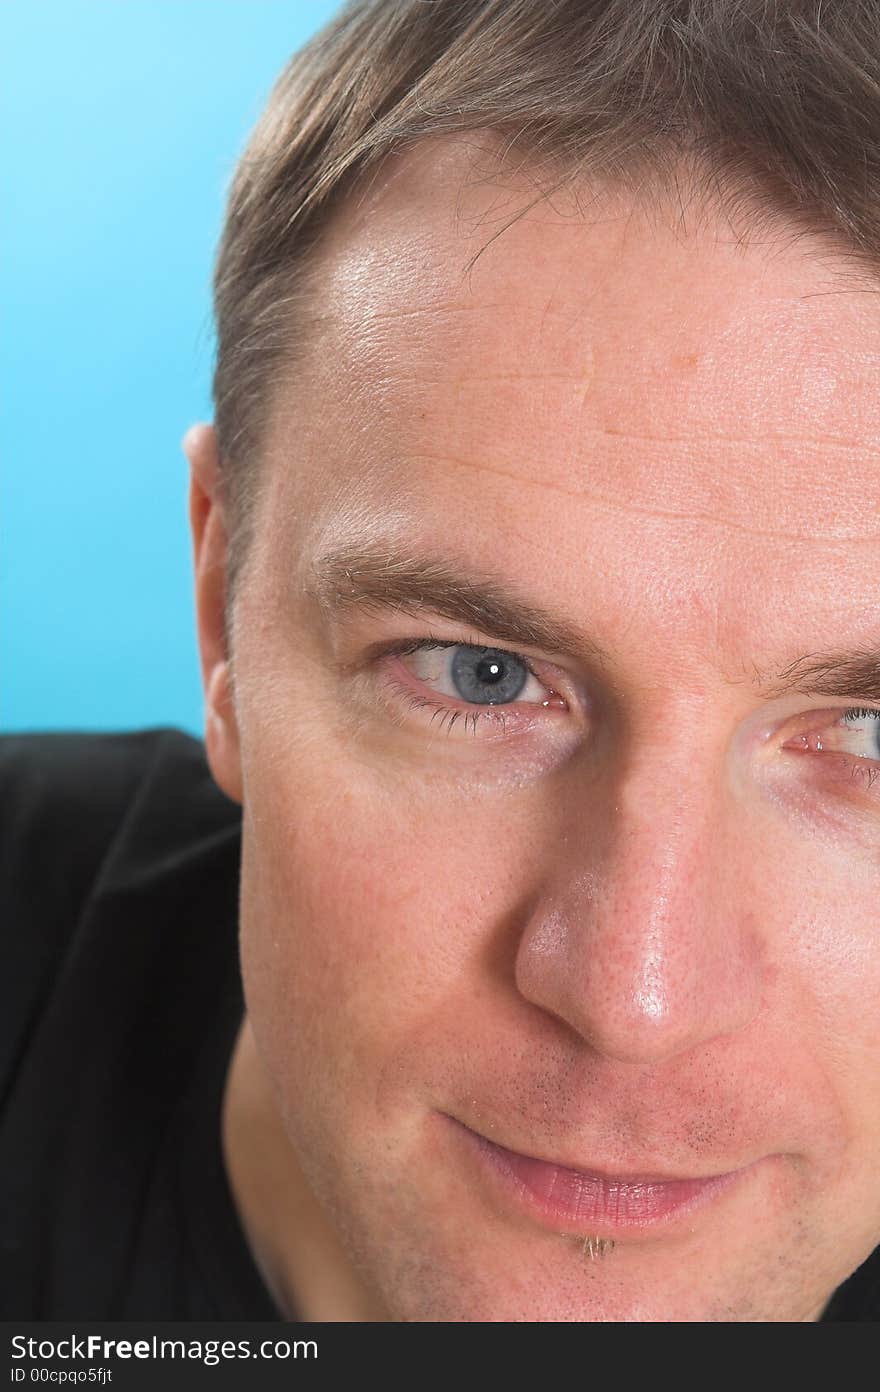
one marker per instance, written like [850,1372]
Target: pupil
[489,669]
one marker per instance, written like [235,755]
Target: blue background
[121,122]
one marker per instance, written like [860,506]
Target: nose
[645,940]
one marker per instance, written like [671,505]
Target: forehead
[621,324]
[424,269]
[609,365]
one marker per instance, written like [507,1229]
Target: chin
[447,1267]
[462,1295]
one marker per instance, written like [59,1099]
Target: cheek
[835,961]
[365,917]
[826,922]
[824,935]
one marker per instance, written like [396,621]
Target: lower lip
[577,1199]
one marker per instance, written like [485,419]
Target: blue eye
[488,676]
[487,680]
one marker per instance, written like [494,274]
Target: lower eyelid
[469,717]
[848,771]
[835,765]
[866,771]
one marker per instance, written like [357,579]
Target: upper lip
[650,1175]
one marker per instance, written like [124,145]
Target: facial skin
[634,931]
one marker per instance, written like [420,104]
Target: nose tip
[646,964]
[646,936]
[620,1007]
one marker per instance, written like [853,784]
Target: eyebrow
[382,575]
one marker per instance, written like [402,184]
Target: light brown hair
[773,106]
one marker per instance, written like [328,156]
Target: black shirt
[120,1002]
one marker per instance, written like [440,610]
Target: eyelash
[494,713]
[866,770]
[861,713]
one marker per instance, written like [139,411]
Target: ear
[209,538]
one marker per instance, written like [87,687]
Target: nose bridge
[642,944]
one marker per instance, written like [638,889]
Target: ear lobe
[209,539]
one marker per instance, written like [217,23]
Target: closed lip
[591,1200]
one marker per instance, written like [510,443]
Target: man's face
[614,910]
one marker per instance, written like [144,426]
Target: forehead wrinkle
[377,373]
[403,278]
[610,505]
[843,443]
[370,315]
